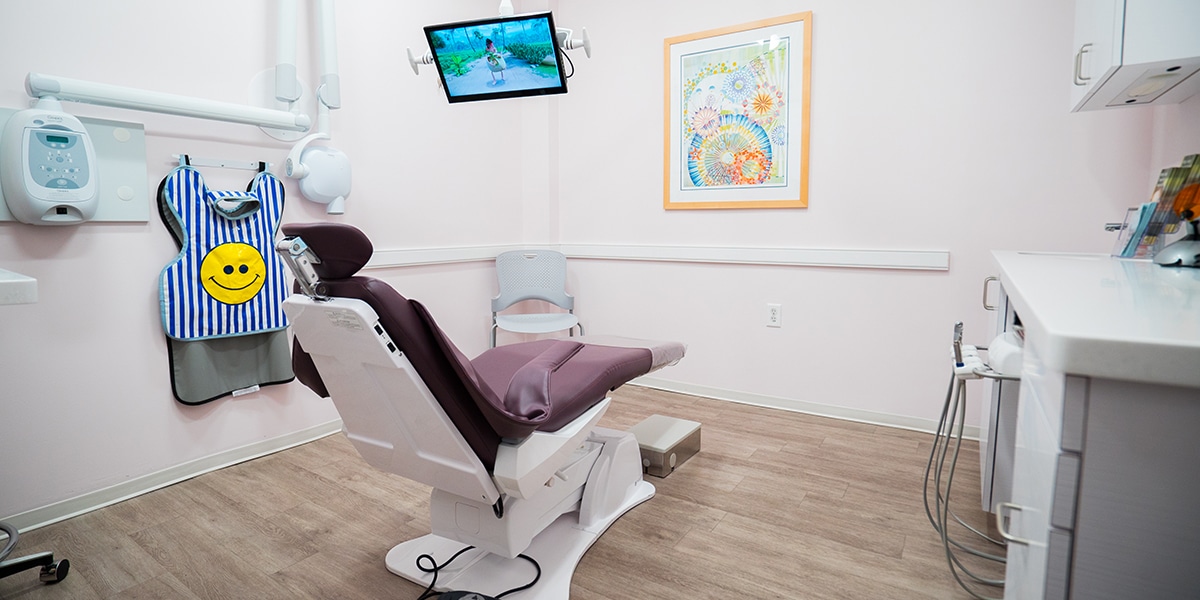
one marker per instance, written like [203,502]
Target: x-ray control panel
[58,169]
[58,160]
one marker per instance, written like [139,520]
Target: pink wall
[85,394]
[933,128]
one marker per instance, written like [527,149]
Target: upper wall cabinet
[1132,52]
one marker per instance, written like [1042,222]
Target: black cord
[569,62]
[528,585]
[429,593]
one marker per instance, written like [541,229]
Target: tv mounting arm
[565,42]
[426,59]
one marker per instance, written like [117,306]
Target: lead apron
[222,296]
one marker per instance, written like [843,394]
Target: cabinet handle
[1079,78]
[986,281]
[1000,506]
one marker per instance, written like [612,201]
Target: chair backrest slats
[532,275]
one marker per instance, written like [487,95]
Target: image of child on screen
[495,62]
[507,57]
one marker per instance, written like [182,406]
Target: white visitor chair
[533,275]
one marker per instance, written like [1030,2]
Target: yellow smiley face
[233,273]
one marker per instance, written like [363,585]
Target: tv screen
[500,57]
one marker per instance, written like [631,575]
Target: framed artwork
[736,112]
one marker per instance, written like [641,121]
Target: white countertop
[1094,315]
[16,288]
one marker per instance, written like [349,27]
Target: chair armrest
[528,395]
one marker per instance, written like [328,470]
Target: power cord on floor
[953,418]
[429,593]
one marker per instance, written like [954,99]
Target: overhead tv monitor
[499,57]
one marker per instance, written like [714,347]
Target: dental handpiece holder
[1005,354]
[1004,357]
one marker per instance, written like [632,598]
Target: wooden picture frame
[736,111]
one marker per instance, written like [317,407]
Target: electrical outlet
[774,315]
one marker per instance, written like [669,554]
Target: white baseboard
[801,406]
[53,513]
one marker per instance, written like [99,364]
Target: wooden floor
[776,505]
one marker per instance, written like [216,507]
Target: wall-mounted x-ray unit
[48,166]
[118,174]
[60,170]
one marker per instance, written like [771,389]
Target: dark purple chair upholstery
[506,392]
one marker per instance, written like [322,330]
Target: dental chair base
[560,490]
[585,497]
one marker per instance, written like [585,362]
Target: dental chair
[508,441]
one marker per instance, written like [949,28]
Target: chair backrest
[388,413]
[532,275]
[475,409]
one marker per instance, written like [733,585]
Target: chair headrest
[343,249]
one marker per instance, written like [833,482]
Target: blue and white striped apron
[227,280]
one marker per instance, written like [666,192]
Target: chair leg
[493,336]
[52,571]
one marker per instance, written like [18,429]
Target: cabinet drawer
[1074,413]
[1058,565]
[1066,486]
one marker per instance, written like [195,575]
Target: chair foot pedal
[666,443]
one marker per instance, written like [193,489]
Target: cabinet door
[1033,492]
[1098,34]
[1137,533]
[1158,30]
